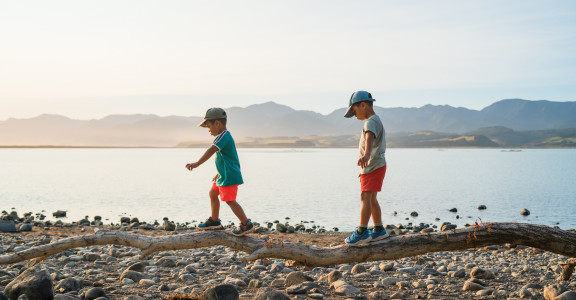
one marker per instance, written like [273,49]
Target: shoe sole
[360,242]
[211,228]
[380,237]
[244,232]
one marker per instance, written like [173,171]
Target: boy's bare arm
[364,160]
[209,152]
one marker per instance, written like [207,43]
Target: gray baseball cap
[213,113]
[358,96]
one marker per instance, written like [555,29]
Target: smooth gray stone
[267,293]
[7,226]
[222,292]
[35,283]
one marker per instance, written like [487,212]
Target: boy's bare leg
[376,212]
[238,211]
[365,207]
[214,204]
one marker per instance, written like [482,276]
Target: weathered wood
[537,236]
[567,269]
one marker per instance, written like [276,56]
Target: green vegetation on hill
[433,139]
[342,141]
[490,137]
[507,137]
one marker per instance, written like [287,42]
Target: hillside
[523,120]
[491,137]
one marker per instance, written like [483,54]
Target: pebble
[333,276]
[342,287]
[524,293]
[472,286]
[277,283]
[406,270]
[419,284]
[146,282]
[485,292]
[390,281]
[481,273]
[386,266]
[461,273]
[186,278]
[402,284]
[295,278]
[358,269]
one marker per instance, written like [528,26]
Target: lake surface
[318,185]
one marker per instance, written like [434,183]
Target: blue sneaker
[358,239]
[378,235]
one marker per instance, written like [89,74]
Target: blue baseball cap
[358,96]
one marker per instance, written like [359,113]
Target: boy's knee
[366,195]
[213,193]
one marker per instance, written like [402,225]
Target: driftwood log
[537,236]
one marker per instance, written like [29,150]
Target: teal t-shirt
[227,162]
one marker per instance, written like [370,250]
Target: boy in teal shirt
[229,177]
[373,167]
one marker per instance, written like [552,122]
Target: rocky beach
[504,271]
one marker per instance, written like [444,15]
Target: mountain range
[270,119]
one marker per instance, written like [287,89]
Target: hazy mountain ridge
[274,120]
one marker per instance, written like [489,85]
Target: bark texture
[537,236]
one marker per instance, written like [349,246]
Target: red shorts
[227,193]
[372,182]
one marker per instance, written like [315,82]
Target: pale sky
[89,59]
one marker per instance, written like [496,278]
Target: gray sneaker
[210,224]
[243,229]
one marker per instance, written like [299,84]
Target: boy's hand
[363,161]
[203,159]
[192,166]
[215,178]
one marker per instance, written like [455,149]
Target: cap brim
[203,124]
[349,113]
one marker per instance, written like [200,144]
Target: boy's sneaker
[210,224]
[378,235]
[243,229]
[358,239]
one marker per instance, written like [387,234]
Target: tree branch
[537,236]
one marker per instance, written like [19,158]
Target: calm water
[318,185]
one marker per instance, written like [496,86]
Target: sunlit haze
[89,59]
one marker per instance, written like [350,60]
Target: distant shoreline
[80,147]
[263,147]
